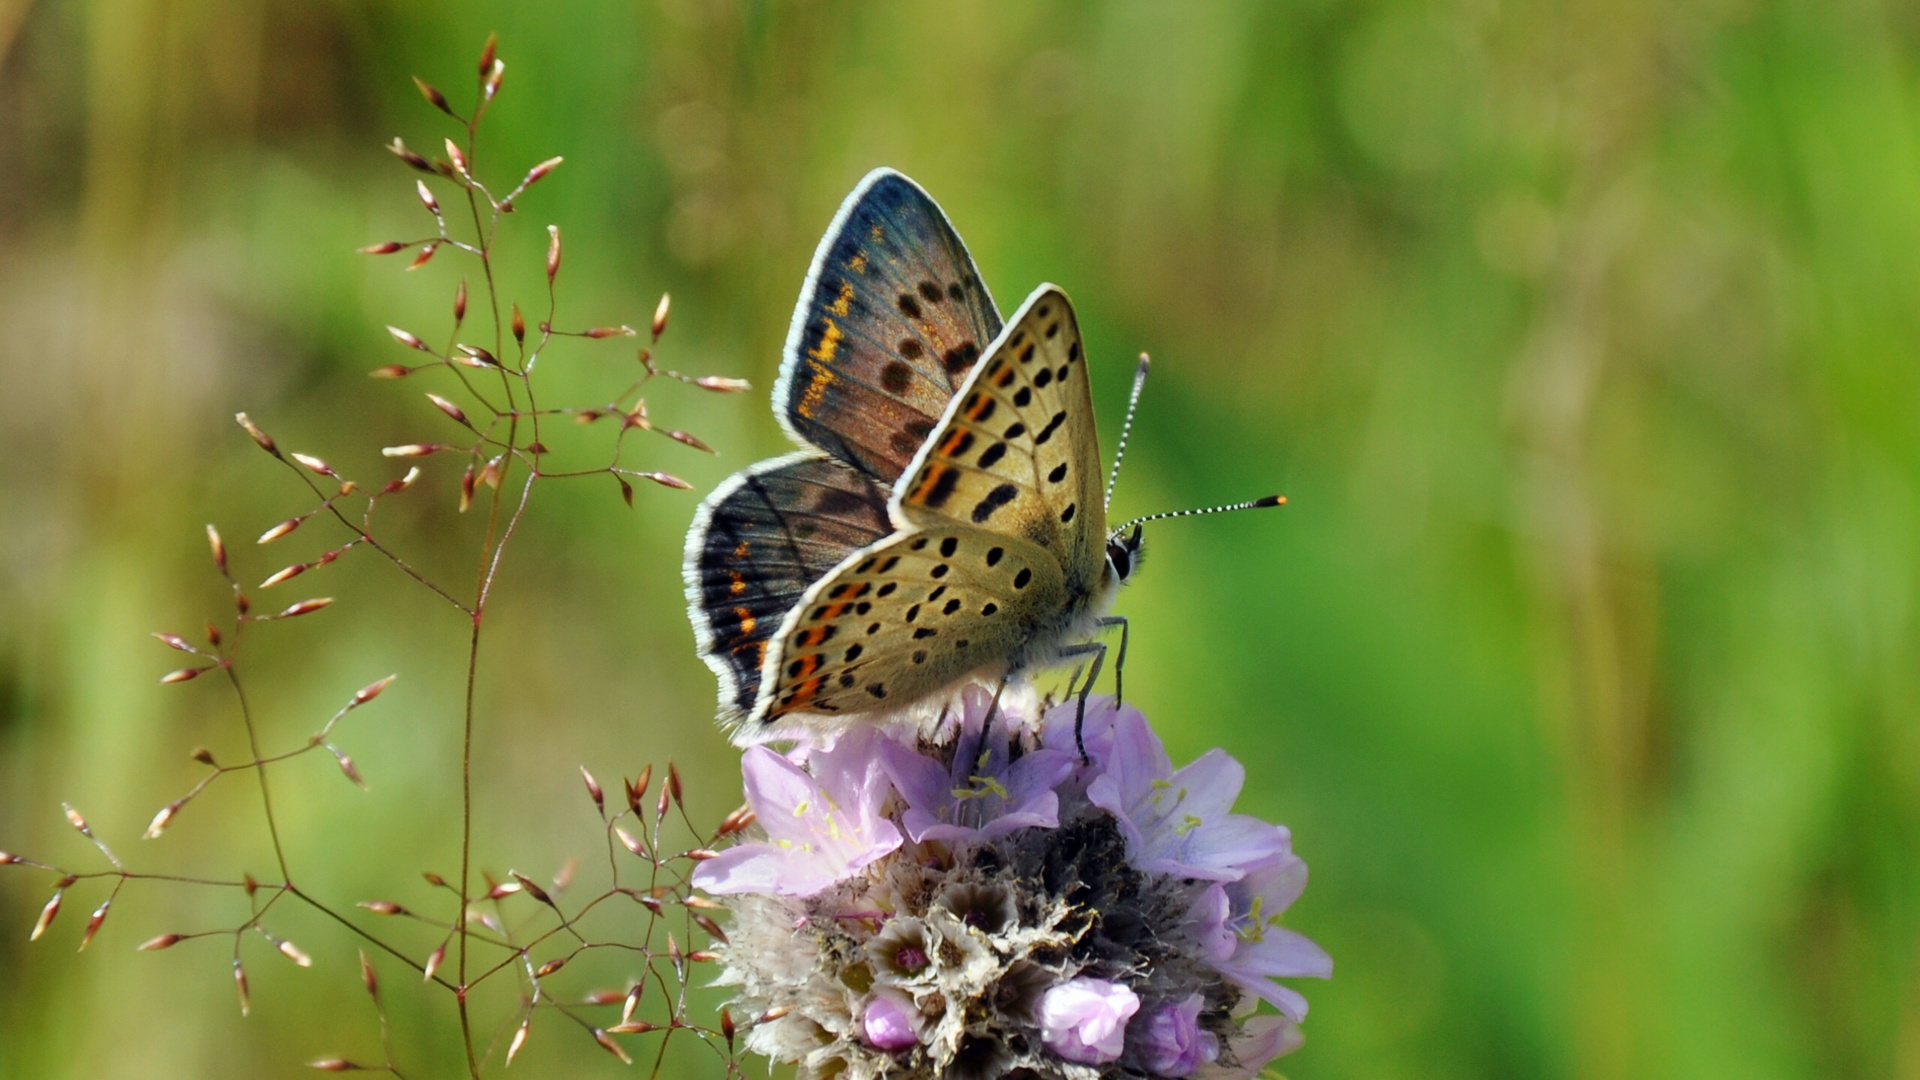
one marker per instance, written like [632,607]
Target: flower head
[987,905]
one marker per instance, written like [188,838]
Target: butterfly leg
[1097,650]
[993,707]
[1120,660]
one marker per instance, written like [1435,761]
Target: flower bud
[433,95]
[660,315]
[387,247]
[553,253]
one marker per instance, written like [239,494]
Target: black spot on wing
[993,501]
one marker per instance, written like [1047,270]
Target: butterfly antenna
[1133,402]
[1271,500]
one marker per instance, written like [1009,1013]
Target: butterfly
[945,519]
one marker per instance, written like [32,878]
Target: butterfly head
[1124,552]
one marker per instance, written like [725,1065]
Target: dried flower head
[980,903]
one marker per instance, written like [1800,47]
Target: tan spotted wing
[1001,534]
[1017,452]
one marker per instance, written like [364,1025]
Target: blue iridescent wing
[757,543]
[891,319]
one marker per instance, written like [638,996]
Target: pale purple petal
[1172,1042]
[1261,1039]
[984,794]
[1085,1020]
[822,827]
[888,1022]
[1210,915]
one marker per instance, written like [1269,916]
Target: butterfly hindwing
[891,319]
[758,543]
[1017,453]
[906,617]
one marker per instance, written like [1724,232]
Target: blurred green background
[1581,335]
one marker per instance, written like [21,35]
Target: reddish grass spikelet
[666,480]
[47,915]
[305,607]
[382,907]
[281,530]
[633,1027]
[466,489]
[550,967]
[712,928]
[726,1027]
[492,86]
[553,253]
[600,332]
[240,985]
[598,796]
[627,841]
[368,977]
[660,315]
[399,149]
[218,547]
[203,755]
[487,53]
[426,253]
[433,95]
[292,952]
[213,635]
[702,854]
[390,371]
[460,301]
[737,821]
[347,766]
[539,172]
[505,888]
[456,158]
[702,956]
[690,440]
[434,960]
[334,1065]
[370,691]
[407,339]
[519,1039]
[426,197]
[77,821]
[626,491]
[673,785]
[459,415]
[284,574]
[8,858]
[385,247]
[401,484]
[533,889]
[519,326]
[632,1002]
[612,1047]
[164,941]
[160,821]
[722,385]
[490,472]
[318,465]
[260,437]
[638,789]
[412,450]
[175,641]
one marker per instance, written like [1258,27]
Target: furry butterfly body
[946,520]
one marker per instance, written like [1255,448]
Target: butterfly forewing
[759,543]
[891,319]
[907,617]
[1017,453]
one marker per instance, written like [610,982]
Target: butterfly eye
[1120,559]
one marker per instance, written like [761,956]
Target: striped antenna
[1271,500]
[1133,402]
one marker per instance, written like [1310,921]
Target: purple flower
[1265,950]
[1177,823]
[1171,1042]
[822,825]
[985,793]
[888,1022]
[1085,1020]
